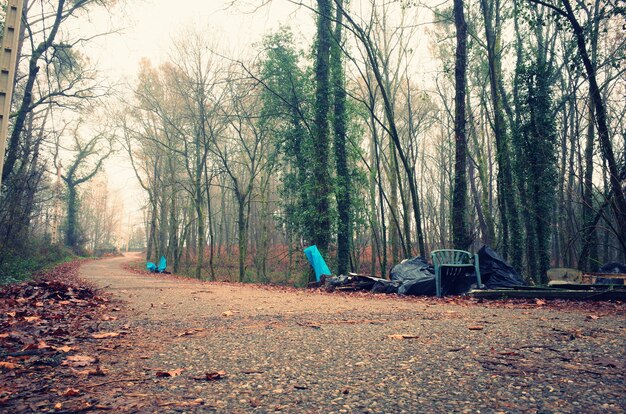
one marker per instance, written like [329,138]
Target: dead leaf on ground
[211,376]
[104,335]
[8,365]
[169,374]
[540,302]
[79,360]
[38,345]
[594,317]
[32,318]
[64,348]
[476,328]
[70,392]
[228,313]
[98,371]
[402,336]
[190,332]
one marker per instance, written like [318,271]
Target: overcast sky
[145,29]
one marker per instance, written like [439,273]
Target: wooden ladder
[8,64]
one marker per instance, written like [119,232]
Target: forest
[397,128]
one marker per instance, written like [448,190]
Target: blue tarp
[317,261]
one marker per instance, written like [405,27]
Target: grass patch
[18,265]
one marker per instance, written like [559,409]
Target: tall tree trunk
[512,234]
[343,187]
[460,234]
[321,175]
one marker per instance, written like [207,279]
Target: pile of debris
[500,280]
[417,277]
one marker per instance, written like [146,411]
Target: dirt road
[308,352]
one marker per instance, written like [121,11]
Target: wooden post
[8,64]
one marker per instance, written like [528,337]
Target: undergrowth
[17,265]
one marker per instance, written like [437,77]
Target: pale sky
[146,29]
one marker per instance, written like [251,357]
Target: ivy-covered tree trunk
[321,144]
[507,201]
[71,231]
[460,233]
[343,187]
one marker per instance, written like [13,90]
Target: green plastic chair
[454,259]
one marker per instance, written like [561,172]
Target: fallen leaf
[594,317]
[8,365]
[79,360]
[64,348]
[475,328]
[104,335]
[190,332]
[109,318]
[70,392]
[39,345]
[540,302]
[58,406]
[211,376]
[98,371]
[228,313]
[402,336]
[168,374]
[32,318]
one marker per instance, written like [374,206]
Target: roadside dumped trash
[417,277]
[153,268]
[495,272]
[611,268]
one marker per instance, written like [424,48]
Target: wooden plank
[549,294]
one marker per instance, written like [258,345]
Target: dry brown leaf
[98,371]
[64,348]
[32,318]
[190,332]
[594,317]
[476,328]
[104,335]
[79,360]
[70,392]
[169,374]
[211,376]
[540,302]
[402,336]
[228,313]
[8,365]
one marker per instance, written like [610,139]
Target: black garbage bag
[613,267]
[495,273]
[417,287]
[416,277]
[386,286]
[415,268]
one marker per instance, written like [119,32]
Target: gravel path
[310,352]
